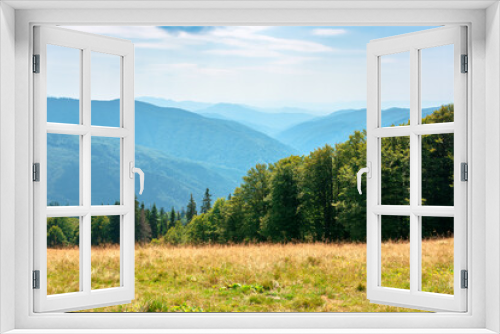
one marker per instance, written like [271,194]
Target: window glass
[105,89]
[395,160]
[438,169]
[105,254]
[105,171]
[437,254]
[63,170]
[395,252]
[395,89]
[63,84]
[436,63]
[63,255]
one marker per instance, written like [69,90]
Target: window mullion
[85,177]
[414,171]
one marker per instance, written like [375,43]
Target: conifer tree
[207,202]
[163,223]
[144,228]
[191,209]
[114,228]
[153,221]
[172,219]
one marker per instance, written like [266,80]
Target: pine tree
[207,202]
[114,228]
[191,209]
[163,223]
[153,221]
[144,228]
[172,219]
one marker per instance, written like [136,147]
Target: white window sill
[250,331]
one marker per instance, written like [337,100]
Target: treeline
[309,198]
[315,198]
[63,231]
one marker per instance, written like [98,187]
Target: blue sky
[318,68]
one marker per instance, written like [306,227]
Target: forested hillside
[180,152]
[305,198]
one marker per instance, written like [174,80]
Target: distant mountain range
[186,105]
[180,152]
[337,126]
[268,123]
[183,152]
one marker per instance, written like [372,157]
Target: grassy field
[255,278]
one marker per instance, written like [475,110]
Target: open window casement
[87,131]
[379,53]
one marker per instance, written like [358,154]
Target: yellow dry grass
[255,278]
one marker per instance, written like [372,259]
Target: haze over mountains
[336,127]
[268,121]
[184,152]
[180,152]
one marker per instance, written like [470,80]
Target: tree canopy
[296,199]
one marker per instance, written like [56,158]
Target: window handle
[134,170]
[368,171]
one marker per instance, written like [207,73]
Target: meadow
[305,277]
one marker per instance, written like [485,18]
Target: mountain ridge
[181,152]
[337,126]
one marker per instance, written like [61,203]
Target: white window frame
[484,49]
[413,44]
[123,50]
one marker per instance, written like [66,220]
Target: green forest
[296,199]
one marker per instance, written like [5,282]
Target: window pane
[63,84]
[395,89]
[63,169]
[395,252]
[437,170]
[395,160]
[105,89]
[105,171]
[437,82]
[105,253]
[437,254]
[63,255]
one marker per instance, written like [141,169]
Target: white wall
[23,157]
[492,165]
[7,164]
